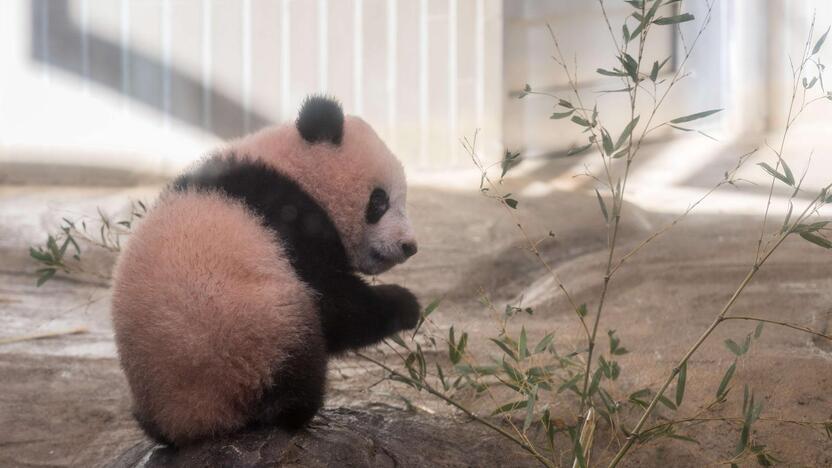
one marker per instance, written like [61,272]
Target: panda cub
[243,278]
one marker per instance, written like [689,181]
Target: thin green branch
[719,319]
[782,324]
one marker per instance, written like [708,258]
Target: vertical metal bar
[323,49]
[452,80]
[245,30]
[167,44]
[479,63]
[392,67]
[285,61]
[424,107]
[207,65]
[85,45]
[125,54]
[358,56]
[43,32]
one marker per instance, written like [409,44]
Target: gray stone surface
[381,437]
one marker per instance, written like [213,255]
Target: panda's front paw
[401,302]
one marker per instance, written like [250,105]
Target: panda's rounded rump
[206,309]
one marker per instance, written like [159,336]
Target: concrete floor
[65,401]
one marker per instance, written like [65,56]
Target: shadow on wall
[59,42]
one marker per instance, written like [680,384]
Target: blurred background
[143,87]
[104,101]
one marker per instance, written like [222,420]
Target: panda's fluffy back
[205,307]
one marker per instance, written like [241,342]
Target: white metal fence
[424,73]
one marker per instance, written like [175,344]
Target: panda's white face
[350,172]
[388,237]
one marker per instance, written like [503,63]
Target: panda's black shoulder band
[321,120]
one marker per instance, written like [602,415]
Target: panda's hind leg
[150,428]
[297,391]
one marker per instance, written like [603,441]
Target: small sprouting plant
[62,250]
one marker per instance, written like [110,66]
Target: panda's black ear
[321,120]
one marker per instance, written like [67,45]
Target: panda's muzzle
[409,249]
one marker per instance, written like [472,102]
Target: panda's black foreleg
[355,314]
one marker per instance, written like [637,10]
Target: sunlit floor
[66,402]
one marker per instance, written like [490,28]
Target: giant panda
[244,277]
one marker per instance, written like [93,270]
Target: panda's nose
[409,249]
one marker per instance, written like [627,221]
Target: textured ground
[64,401]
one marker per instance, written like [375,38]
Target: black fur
[353,313]
[378,205]
[297,392]
[321,120]
[150,428]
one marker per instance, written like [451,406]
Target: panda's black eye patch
[377,206]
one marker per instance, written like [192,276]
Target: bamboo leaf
[509,160]
[603,206]
[759,330]
[570,384]
[579,149]
[608,401]
[636,32]
[45,275]
[454,353]
[530,409]
[680,384]
[663,400]
[425,313]
[40,255]
[817,240]
[771,171]
[683,18]
[733,347]
[544,343]
[630,66]
[580,121]
[820,42]
[596,381]
[579,452]
[512,354]
[627,131]
[561,115]
[614,72]
[508,407]
[442,377]
[788,173]
[513,373]
[726,379]
[431,307]
[696,116]
[607,142]
[521,344]
[652,12]
[397,339]
[683,438]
